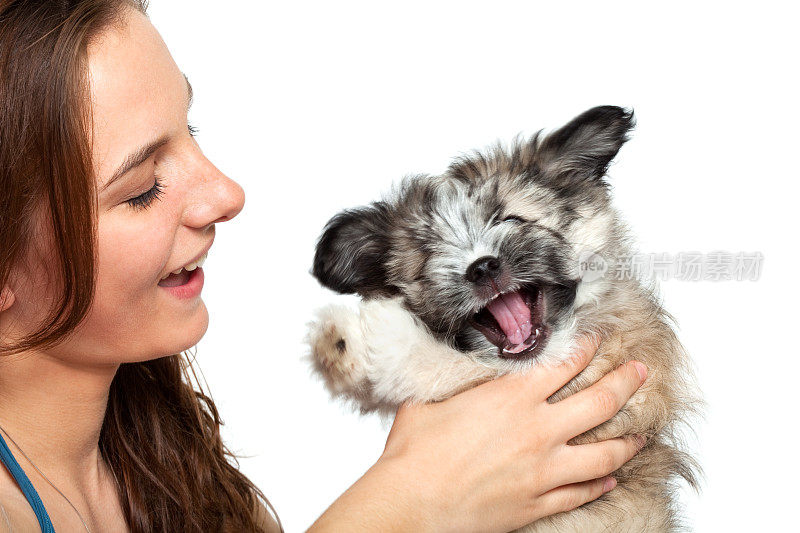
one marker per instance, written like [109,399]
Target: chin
[196,329]
[191,331]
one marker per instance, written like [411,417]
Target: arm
[379,501]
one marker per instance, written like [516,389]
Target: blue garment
[25,485]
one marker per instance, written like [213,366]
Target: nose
[231,199]
[483,269]
[216,198]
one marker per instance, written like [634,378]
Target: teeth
[198,263]
[189,267]
[497,295]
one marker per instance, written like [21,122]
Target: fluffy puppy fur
[432,263]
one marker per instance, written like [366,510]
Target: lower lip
[191,288]
[535,341]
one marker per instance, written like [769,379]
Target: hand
[495,457]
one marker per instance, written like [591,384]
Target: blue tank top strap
[27,488]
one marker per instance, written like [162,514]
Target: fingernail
[640,439]
[609,484]
[641,369]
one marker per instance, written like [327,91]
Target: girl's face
[158,212]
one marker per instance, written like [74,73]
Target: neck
[54,410]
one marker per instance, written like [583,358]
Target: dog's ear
[586,145]
[351,253]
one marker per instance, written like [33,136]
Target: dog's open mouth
[514,322]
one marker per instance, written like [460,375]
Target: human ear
[7,298]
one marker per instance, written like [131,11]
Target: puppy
[476,273]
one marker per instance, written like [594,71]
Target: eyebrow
[142,154]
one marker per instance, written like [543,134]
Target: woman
[105,194]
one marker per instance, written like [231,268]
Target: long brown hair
[161,432]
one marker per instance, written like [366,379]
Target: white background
[317,106]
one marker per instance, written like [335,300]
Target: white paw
[337,349]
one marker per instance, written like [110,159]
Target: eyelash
[143,201]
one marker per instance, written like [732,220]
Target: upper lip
[196,257]
[496,292]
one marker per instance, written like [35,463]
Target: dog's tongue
[513,316]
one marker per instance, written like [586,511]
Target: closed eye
[514,218]
[144,201]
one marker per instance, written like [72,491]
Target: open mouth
[182,275]
[514,322]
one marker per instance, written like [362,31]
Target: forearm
[381,500]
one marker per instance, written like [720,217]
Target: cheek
[132,255]
[133,250]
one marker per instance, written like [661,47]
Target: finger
[583,462]
[594,405]
[551,378]
[569,497]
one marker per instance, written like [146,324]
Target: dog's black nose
[483,269]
